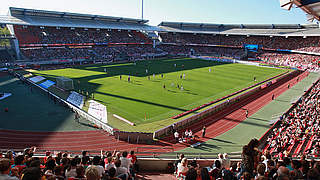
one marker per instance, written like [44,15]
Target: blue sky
[201,11]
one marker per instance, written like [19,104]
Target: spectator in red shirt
[19,163]
[133,158]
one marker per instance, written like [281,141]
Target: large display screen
[251,47]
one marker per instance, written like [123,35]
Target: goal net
[65,83]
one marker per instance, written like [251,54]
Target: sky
[156,11]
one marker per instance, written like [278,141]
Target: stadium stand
[49,35]
[90,53]
[270,47]
[26,35]
[54,35]
[308,44]
[301,61]
[58,35]
[298,131]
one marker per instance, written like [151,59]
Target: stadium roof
[311,7]
[35,17]
[243,29]
[43,13]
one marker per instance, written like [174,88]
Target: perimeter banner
[36,79]
[98,111]
[47,84]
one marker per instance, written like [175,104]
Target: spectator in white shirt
[182,167]
[71,171]
[120,171]
[125,162]
[96,162]
[190,134]
[227,161]
[176,136]
[186,133]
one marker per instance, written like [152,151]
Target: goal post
[65,83]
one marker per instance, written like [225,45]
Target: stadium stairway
[299,147]
[142,36]
[308,145]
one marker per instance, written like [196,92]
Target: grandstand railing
[154,149]
[154,153]
[140,153]
[133,137]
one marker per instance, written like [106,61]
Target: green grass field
[141,96]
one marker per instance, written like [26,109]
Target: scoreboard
[251,47]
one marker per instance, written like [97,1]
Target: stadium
[92,88]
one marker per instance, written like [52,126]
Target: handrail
[157,155]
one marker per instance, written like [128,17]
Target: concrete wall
[160,165]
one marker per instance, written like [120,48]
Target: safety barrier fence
[134,137]
[166,153]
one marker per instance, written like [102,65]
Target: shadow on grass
[282,100]
[208,147]
[259,119]
[157,67]
[143,101]
[248,122]
[221,140]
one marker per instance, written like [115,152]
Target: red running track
[226,119]
[96,140]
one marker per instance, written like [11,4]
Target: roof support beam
[306,9]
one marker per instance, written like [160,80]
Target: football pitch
[159,89]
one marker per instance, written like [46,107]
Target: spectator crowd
[309,44]
[63,35]
[60,166]
[90,53]
[299,61]
[298,131]
[135,44]
[254,165]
